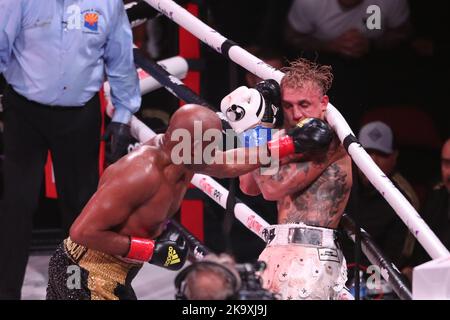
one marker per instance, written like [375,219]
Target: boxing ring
[243,213]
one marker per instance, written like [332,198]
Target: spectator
[374,213]
[342,26]
[436,212]
[345,35]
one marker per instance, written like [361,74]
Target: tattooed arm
[294,177]
[290,178]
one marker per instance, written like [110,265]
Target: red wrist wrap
[283,146]
[140,249]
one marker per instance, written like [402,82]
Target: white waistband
[302,234]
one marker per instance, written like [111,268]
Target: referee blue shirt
[56,52]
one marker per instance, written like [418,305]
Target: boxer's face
[300,103]
[445,165]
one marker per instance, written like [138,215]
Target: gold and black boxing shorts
[79,273]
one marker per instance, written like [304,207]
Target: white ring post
[406,212]
[177,66]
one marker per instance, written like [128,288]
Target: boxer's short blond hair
[303,71]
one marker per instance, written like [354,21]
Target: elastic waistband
[99,263]
[282,234]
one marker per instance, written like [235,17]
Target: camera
[251,283]
[242,282]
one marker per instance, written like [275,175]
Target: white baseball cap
[377,136]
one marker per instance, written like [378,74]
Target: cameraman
[213,278]
[220,278]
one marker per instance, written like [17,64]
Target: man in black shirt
[373,212]
[436,212]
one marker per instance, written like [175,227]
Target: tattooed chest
[320,204]
[302,210]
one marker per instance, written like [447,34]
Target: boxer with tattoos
[303,258]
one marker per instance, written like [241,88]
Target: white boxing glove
[243,108]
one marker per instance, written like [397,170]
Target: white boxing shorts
[304,262]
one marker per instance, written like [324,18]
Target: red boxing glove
[283,146]
[169,250]
[140,249]
[310,134]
